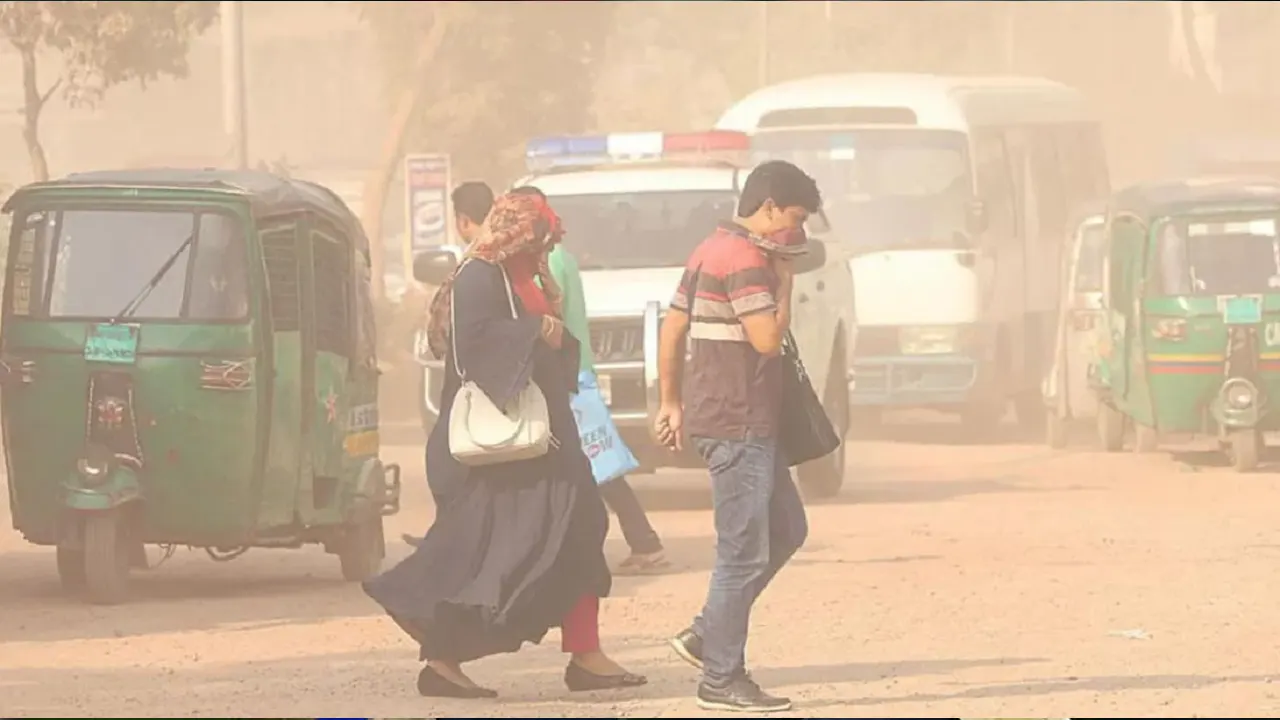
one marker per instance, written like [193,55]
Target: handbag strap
[453,303]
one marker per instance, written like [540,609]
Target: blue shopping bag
[610,457]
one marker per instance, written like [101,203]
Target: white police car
[634,206]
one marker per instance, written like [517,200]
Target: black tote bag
[805,433]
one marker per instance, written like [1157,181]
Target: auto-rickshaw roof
[1172,197]
[267,193]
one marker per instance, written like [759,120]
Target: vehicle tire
[1145,439]
[1110,428]
[363,549]
[1245,449]
[1055,430]
[106,558]
[71,570]
[822,478]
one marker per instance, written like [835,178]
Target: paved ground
[948,580]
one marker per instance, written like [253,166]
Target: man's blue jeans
[760,524]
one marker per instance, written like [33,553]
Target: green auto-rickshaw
[1191,338]
[188,358]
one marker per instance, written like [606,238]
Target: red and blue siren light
[551,152]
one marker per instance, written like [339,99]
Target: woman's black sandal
[579,679]
[433,684]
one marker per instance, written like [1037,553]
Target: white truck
[634,206]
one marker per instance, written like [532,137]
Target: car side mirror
[975,221]
[433,267]
[814,259]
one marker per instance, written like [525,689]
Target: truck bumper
[913,381]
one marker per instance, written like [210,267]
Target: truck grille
[617,340]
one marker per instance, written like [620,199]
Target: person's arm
[669,424]
[671,346]
[765,317]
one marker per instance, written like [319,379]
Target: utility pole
[762,71]
[234,122]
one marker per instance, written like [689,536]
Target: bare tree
[100,44]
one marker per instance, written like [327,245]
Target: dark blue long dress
[515,545]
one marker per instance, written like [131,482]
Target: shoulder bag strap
[453,324]
[511,300]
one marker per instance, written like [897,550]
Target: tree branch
[44,96]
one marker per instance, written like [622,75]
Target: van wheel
[1055,430]
[363,549]
[106,558]
[71,570]
[823,477]
[1145,439]
[1245,449]
[1110,428]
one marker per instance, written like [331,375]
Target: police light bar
[551,152]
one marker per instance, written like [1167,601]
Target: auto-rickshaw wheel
[1244,447]
[71,569]
[1055,430]
[1110,428]
[362,549]
[1145,439]
[106,558]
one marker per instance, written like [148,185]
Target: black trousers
[622,500]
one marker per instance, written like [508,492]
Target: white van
[953,196]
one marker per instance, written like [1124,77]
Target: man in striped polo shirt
[734,306]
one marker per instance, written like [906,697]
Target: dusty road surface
[947,580]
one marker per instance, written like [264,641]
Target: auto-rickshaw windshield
[1228,255]
[96,261]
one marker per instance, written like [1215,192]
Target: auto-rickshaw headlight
[1239,394]
[1169,329]
[95,466]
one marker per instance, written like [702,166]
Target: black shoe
[580,679]
[433,684]
[688,645]
[741,695]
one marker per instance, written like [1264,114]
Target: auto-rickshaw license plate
[1241,309]
[111,343]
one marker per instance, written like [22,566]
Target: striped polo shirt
[730,390]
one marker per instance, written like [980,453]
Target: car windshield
[882,188]
[616,231]
[1235,256]
[102,259]
[1089,261]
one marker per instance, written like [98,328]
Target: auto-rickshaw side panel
[1185,357]
[190,396]
[1123,353]
[287,461]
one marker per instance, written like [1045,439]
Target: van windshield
[96,261]
[883,189]
[1235,256]
[617,231]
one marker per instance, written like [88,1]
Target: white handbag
[481,433]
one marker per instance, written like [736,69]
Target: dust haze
[1086,586]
